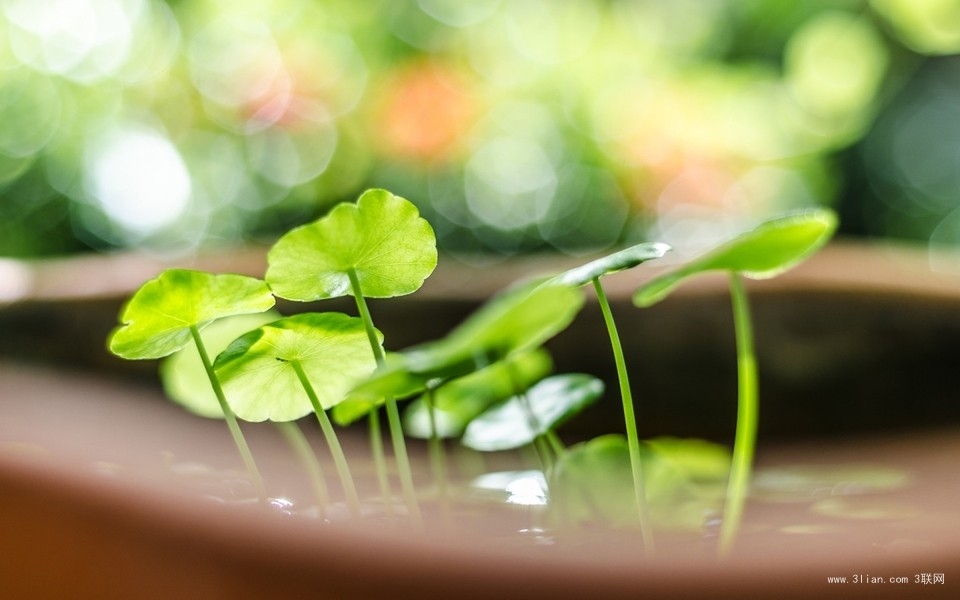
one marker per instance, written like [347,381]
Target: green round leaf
[382,239]
[766,251]
[156,321]
[522,418]
[258,370]
[591,483]
[684,480]
[618,261]
[184,378]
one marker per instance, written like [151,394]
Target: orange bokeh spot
[426,112]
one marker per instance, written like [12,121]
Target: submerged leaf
[381,239]
[618,261]
[519,420]
[258,370]
[766,251]
[184,378]
[156,321]
[460,401]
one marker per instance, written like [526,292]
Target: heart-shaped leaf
[259,370]
[157,320]
[184,378]
[766,251]
[519,420]
[618,261]
[381,239]
[517,321]
[458,402]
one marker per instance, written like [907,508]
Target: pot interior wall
[831,361]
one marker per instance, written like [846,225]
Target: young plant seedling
[379,247]
[167,313]
[591,273]
[185,382]
[766,251]
[269,374]
[488,344]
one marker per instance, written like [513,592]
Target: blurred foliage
[514,126]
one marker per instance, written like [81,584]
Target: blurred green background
[515,125]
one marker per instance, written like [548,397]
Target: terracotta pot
[108,491]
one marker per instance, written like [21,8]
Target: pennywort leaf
[684,478]
[612,263]
[260,378]
[766,251]
[157,320]
[381,240]
[183,375]
[519,420]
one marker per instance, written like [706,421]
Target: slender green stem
[403,461]
[437,458]
[379,459]
[373,418]
[738,486]
[366,318]
[540,443]
[343,470]
[545,454]
[239,441]
[633,439]
[393,412]
[556,444]
[301,447]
